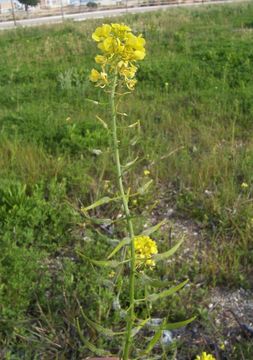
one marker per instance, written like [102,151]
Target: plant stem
[130,317]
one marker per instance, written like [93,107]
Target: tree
[29,3]
[92,5]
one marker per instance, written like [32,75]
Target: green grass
[194,105]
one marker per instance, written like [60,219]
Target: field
[192,110]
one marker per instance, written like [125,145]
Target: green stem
[130,317]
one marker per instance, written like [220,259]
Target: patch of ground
[228,313]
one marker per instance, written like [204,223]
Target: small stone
[154,322]
[166,338]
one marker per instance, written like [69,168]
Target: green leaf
[103,201]
[136,329]
[144,188]
[103,263]
[123,242]
[154,340]
[102,122]
[154,228]
[95,350]
[130,163]
[89,345]
[95,102]
[153,282]
[137,123]
[94,220]
[99,328]
[179,324]
[134,140]
[165,293]
[167,254]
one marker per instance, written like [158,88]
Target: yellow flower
[138,55]
[112,274]
[121,49]
[205,356]
[100,78]
[100,59]
[128,71]
[135,42]
[101,32]
[120,27]
[94,75]
[145,247]
[222,346]
[146,172]
[131,84]
[244,185]
[103,77]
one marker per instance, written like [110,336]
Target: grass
[194,105]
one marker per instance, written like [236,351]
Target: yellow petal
[139,55]
[100,59]
[107,44]
[121,27]
[101,32]
[94,75]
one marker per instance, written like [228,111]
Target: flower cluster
[120,50]
[205,356]
[244,185]
[145,247]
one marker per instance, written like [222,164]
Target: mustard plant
[120,52]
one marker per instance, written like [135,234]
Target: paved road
[98,14]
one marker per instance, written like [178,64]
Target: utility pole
[62,13]
[13,13]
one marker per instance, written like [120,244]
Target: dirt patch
[227,317]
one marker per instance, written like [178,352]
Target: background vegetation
[194,109]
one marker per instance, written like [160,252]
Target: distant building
[6,6]
[54,3]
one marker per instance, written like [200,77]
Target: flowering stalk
[130,318]
[121,49]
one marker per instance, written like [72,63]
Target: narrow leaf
[95,102]
[123,242]
[99,328]
[165,293]
[130,163]
[102,201]
[134,140]
[153,282]
[179,324]
[136,329]
[154,228]
[102,122]
[122,114]
[103,263]
[95,220]
[167,254]
[144,188]
[153,341]
[137,123]
[95,350]
[89,345]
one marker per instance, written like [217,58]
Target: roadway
[99,14]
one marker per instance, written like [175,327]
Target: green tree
[28,3]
